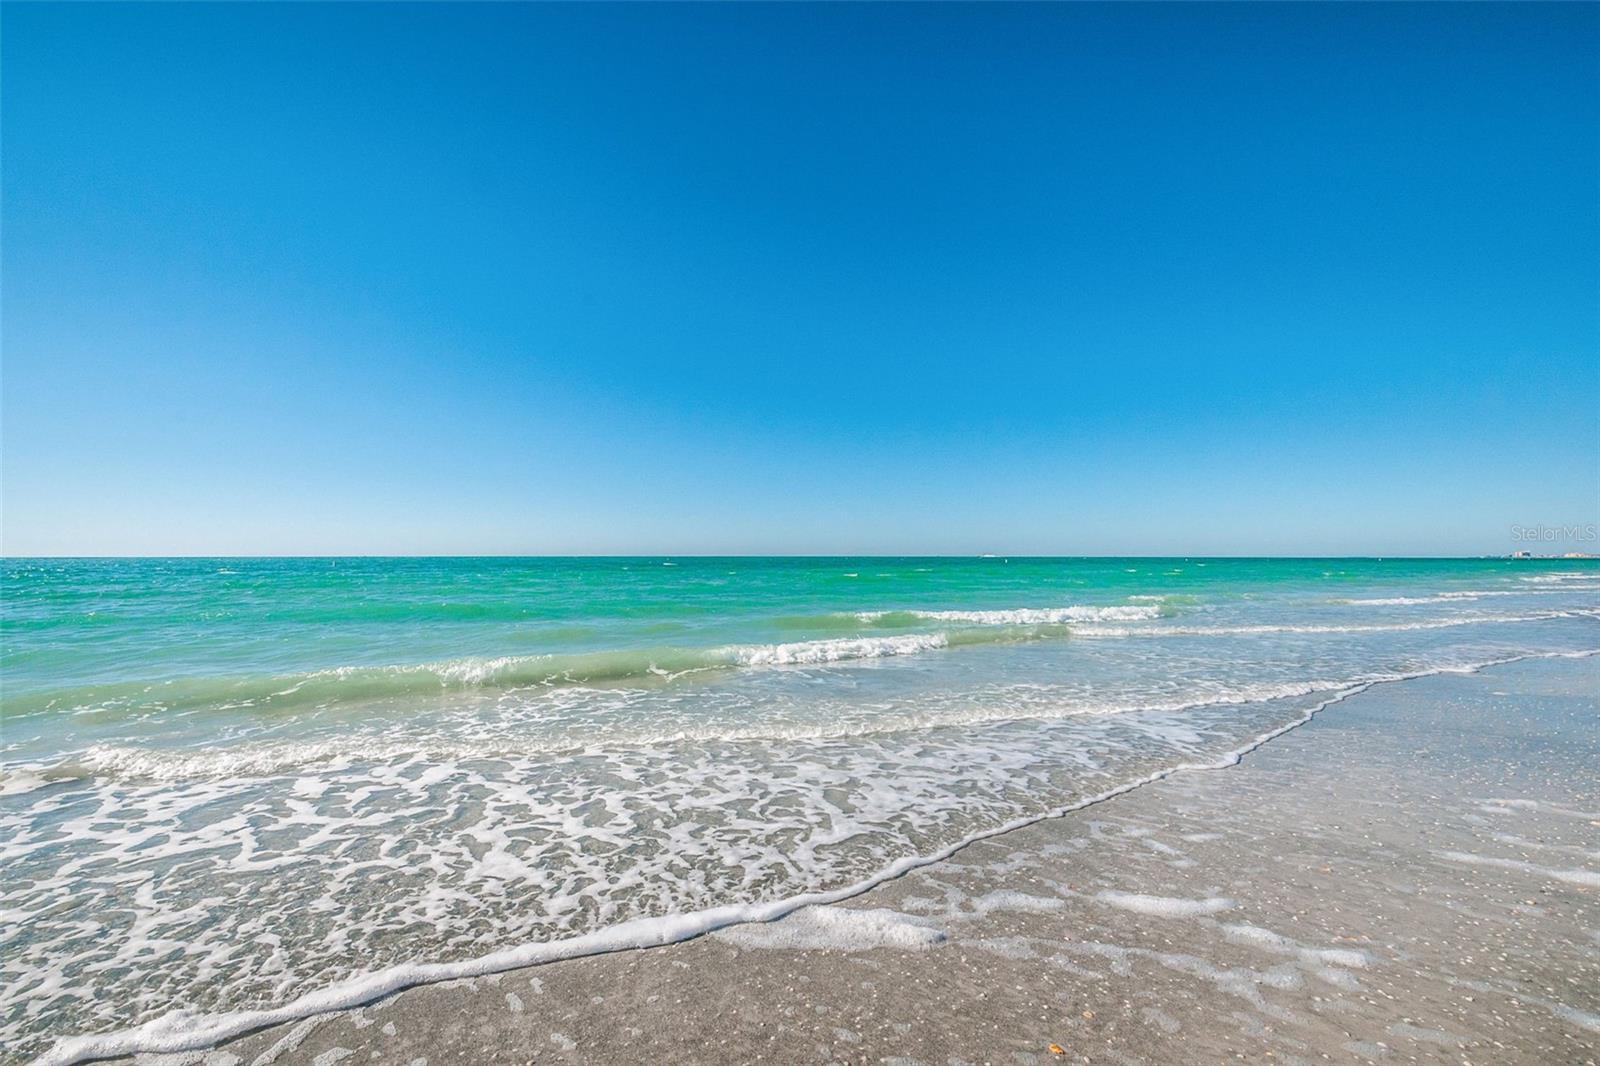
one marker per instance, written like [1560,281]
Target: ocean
[240,790]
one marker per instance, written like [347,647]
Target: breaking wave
[353,683]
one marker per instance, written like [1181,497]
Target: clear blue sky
[1233,279]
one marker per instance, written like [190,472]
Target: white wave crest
[1255,630]
[1028,616]
[830,651]
[1445,597]
[15,781]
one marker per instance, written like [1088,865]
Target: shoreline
[680,931]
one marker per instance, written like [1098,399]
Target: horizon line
[1508,556]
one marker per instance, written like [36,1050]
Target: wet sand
[1413,877]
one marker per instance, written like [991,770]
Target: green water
[255,779]
[71,624]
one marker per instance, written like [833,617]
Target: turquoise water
[229,783]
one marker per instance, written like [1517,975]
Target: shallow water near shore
[231,783]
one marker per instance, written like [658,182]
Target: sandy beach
[1414,876]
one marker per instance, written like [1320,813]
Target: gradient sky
[665,279]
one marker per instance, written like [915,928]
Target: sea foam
[177,1031]
[1165,906]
